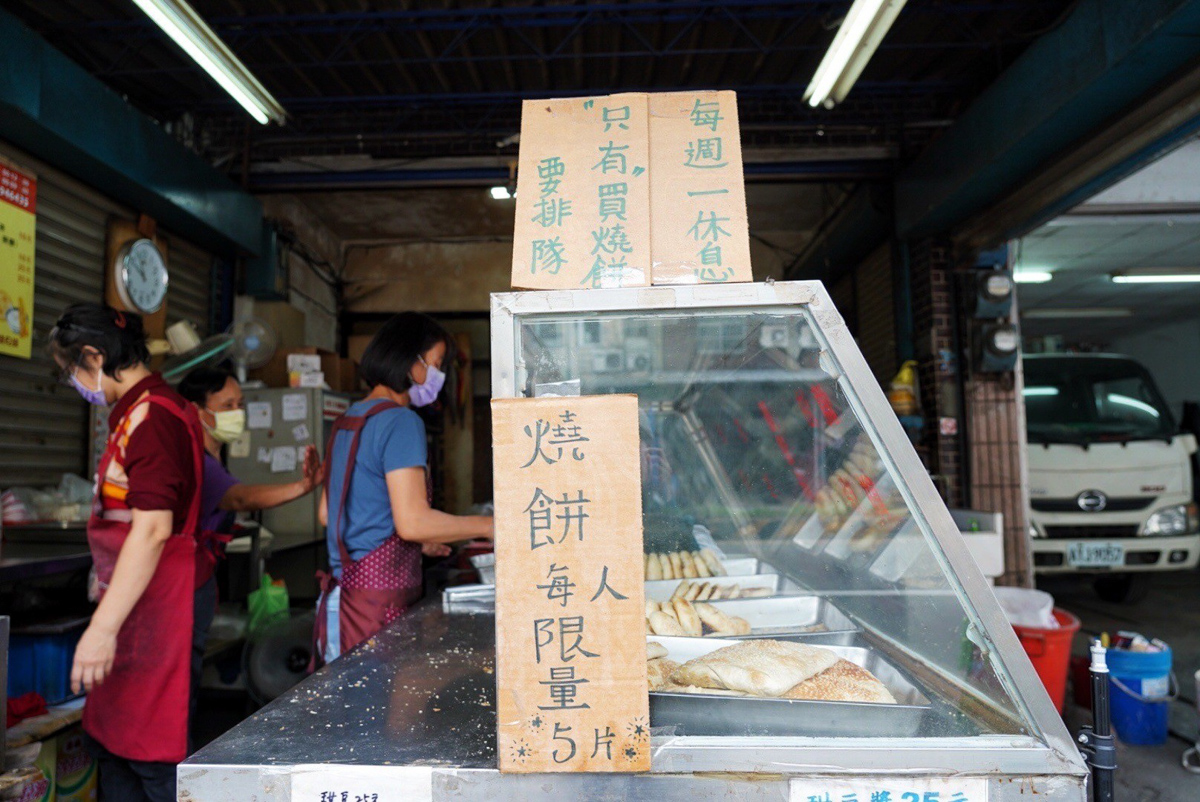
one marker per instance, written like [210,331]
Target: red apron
[140,711]
[376,589]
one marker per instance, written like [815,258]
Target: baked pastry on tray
[844,682]
[659,671]
[756,667]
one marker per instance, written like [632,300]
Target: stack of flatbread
[683,565]
[683,618]
[849,485]
[708,591]
[767,668]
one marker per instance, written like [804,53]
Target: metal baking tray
[661,589]
[469,598]
[807,616]
[694,714]
[742,565]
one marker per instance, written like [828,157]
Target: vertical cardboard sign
[570,644]
[583,196]
[18,224]
[699,231]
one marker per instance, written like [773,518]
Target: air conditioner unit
[773,335]
[607,361]
[639,361]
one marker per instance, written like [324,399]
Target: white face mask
[228,425]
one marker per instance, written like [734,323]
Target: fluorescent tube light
[1156,278]
[187,29]
[1049,313]
[1040,392]
[857,39]
[501,193]
[1032,276]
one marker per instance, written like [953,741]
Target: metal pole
[1097,742]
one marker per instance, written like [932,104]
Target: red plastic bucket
[1050,652]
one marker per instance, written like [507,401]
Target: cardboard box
[313,378]
[303,363]
[341,374]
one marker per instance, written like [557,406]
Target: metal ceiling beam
[1092,72]
[52,108]
[300,103]
[311,180]
[530,16]
[636,49]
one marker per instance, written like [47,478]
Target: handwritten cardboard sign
[698,227]
[583,197]
[570,649]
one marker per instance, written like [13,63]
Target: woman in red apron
[376,503]
[133,659]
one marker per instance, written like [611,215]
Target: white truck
[1110,475]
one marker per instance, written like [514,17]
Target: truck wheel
[1123,588]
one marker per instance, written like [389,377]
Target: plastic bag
[266,603]
[1027,608]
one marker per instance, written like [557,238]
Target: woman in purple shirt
[217,397]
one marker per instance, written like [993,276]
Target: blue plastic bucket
[1141,687]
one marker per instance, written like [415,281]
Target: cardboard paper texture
[583,196]
[699,231]
[570,651]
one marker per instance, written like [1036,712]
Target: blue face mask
[94,397]
[424,394]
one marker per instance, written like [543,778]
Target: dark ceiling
[400,80]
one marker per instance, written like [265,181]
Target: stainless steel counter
[411,715]
[422,690]
[21,560]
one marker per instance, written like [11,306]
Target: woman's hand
[435,549]
[93,658]
[313,474]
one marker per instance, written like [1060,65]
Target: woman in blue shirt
[376,502]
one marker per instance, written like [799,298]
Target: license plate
[1095,555]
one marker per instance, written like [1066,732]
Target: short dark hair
[394,349]
[198,385]
[119,337]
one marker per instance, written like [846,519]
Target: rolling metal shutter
[190,290]
[44,427]
[43,431]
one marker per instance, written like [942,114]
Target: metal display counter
[417,703]
[764,437]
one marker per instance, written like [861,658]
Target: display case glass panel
[756,443]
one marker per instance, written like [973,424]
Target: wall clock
[141,276]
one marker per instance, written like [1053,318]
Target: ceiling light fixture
[1049,313]
[187,29]
[865,25]
[1031,276]
[1156,278]
[502,193]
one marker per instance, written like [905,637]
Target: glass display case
[766,440]
[781,500]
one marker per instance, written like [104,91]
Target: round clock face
[142,277]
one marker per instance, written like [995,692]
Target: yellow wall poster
[18,219]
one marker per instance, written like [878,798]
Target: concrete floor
[1171,612]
